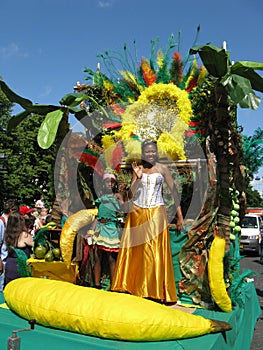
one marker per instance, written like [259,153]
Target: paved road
[252,263]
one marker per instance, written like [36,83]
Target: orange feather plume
[147,73]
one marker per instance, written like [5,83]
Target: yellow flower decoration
[168,96]
[161,113]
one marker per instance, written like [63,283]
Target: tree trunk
[61,134]
[221,135]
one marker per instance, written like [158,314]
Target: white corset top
[149,192]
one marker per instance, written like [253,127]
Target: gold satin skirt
[144,265]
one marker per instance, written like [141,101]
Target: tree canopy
[27,169]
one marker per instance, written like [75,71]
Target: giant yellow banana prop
[103,314]
[216,274]
[70,229]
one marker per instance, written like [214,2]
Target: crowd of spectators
[18,226]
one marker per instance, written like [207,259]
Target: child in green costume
[106,239]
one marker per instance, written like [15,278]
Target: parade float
[190,110]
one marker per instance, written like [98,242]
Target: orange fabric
[144,265]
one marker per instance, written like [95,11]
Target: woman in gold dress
[144,265]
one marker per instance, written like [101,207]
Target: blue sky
[45,45]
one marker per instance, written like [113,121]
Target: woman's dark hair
[147,143]
[10,205]
[29,221]
[15,225]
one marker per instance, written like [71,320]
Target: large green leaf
[248,64]
[73,99]
[36,109]
[214,59]
[240,91]
[13,97]
[246,69]
[251,100]
[17,119]
[236,86]
[48,129]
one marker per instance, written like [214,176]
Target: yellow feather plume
[132,79]
[108,145]
[160,58]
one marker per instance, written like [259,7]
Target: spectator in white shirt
[40,203]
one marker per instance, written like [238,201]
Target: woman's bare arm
[136,177]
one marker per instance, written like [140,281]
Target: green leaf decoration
[26,104]
[98,105]
[74,110]
[40,237]
[236,86]
[42,109]
[246,69]
[48,129]
[17,119]
[214,59]
[250,101]
[90,73]
[73,99]
[13,97]
[248,64]
[240,91]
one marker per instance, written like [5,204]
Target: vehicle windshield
[249,222]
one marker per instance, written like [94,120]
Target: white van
[251,233]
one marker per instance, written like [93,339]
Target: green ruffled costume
[108,227]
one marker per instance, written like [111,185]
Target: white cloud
[11,50]
[104,4]
[45,92]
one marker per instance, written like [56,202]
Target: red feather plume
[176,70]
[116,157]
